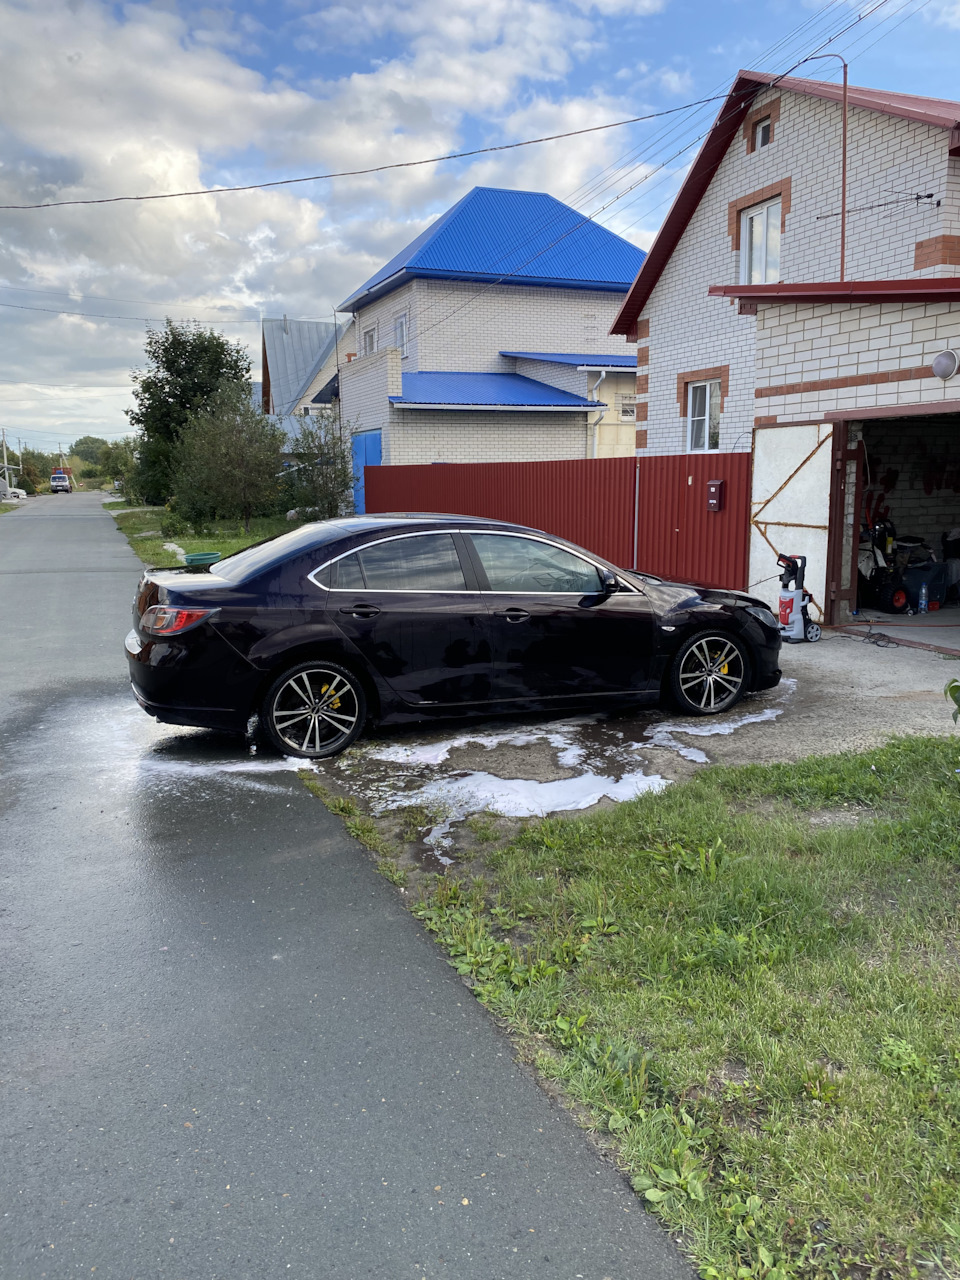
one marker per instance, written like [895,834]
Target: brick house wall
[463,326]
[418,436]
[688,331]
[811,359]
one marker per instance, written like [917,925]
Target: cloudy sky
[125,99]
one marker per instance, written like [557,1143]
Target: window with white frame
[703,416]
[369,341]
[628,408]
[761,134]
[760,243]
[400,333]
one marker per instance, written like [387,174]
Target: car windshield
[247,564]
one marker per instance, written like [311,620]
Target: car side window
[349,574]
[528,566]
[428,562]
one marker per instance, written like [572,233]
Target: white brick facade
[458,326]
[889,161]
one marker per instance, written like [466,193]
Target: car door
[412,607]
[555,632]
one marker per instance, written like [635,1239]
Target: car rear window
[262,555]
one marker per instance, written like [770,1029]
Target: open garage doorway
[909,521]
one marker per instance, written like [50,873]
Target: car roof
[404,519]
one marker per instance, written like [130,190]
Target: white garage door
[790,507]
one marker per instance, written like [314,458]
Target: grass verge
[8,506]
[142,529]
[749,984]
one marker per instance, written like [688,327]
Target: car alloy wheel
[314,710]
[709,674]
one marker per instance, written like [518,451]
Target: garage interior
[910,523]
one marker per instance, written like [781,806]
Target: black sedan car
[399,617]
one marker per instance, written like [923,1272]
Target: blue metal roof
[524,237]
[625,360]
[486,391]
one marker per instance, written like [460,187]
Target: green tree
[186,365]
[321,477]
[117,460]
[87,448]
[229,459]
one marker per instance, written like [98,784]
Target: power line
[92,315]
[357,173]
[96,297]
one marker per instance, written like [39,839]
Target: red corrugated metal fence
[609,505]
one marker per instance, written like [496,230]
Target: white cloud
[96,104]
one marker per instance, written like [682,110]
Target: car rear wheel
[709,674]
[314,710]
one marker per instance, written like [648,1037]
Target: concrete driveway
[842,694]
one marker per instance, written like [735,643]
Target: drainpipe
[595,425]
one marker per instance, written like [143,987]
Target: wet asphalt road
[227,1050]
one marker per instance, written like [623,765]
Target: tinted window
[247,564]
[425,563]
[524,565]
[349,576]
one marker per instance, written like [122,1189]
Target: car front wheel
[709,674]
[314,710]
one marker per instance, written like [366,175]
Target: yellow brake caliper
[335,704]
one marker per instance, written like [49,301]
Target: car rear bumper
[169,683]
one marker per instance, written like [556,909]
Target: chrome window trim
[500,533]
[395,537]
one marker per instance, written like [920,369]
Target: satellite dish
[945,365]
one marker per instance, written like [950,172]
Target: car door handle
[512,615]
[361,610]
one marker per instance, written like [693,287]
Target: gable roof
[527,236]
[486,391]
[294,351]
[933,111]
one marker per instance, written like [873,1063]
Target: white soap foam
[460,796]
[558,736]
[661,735]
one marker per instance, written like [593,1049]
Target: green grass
[223,536]
[9,506]
[750,984]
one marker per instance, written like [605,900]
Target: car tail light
[170,620]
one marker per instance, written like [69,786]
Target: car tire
[710,673]
[315,710]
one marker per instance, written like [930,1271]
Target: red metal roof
[932,111]
[851,291]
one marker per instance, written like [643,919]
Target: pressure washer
[795,624]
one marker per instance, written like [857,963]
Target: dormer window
[762,133]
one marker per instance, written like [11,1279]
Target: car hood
[683,595]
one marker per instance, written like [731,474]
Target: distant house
[486,339]
[300,362]
[835,368]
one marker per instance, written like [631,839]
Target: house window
[400,333]
[760,244]
[369,341]
[761,134]
[703,416]
[628,408]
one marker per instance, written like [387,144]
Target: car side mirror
[609,582]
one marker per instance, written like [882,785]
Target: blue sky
[99,99]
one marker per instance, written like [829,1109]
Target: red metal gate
[649,513]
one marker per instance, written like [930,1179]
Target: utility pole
[6,473]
